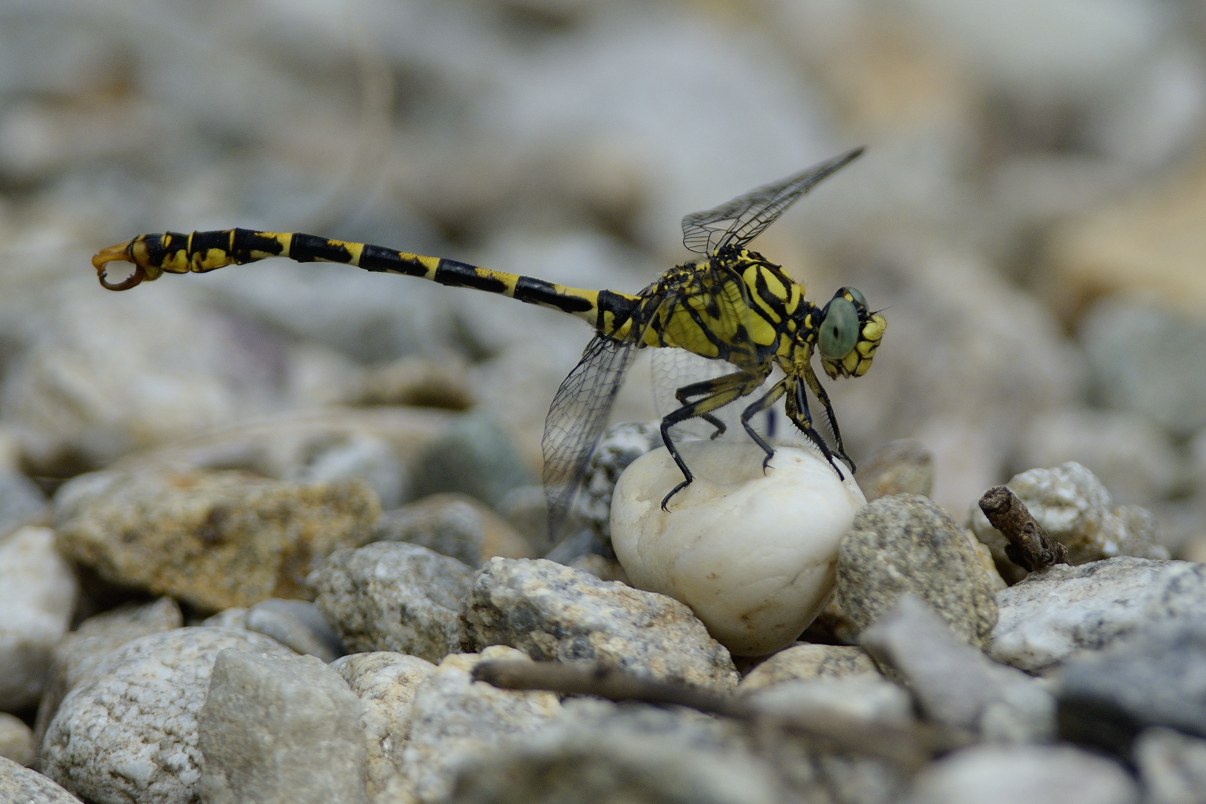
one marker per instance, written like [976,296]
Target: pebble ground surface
[257,528]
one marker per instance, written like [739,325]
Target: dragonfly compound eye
[839,328]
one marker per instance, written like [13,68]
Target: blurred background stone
[1028,216]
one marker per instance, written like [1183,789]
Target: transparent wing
[742,219]
[576,418]
[674,368]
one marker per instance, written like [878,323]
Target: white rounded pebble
[753,553]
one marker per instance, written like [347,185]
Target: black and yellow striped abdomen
[198,252]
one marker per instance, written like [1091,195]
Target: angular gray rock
[385,682]
[21,784]
[393,596]
[129,731]
[84,649]
[594,753]
[955,684]
[908,545]
[279,729]
[1064,610]
[454,720]
[806,662]
[555,613]
[1154,677]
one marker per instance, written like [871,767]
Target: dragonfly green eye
[839,328]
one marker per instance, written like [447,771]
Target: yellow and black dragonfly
[731,304]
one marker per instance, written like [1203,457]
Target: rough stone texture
[554,613]
[587,530]
[1036,774]
[1063,610]
[454,720]
[1075,509]
[1154,677]
[81,651]
[385,683]
[454,525]
[954,683]
[21,784]
[217,539]
[279,729]
[645,755]
[129,731]
[1047,154]
[907,545]
[393,596]
[1172,766]
[16,740]
[37,595]
[808,662]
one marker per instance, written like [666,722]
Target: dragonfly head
[848,334]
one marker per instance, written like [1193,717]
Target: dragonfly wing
[576,418]
[742,219]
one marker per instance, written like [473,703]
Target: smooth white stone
[753,553]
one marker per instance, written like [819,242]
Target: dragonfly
[728,303]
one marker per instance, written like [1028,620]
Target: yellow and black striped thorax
[735,306]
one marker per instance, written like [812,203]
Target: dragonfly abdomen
[199,252]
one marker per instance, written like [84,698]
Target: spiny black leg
[797,411]
[667,423]
[713,394]
[819,392]
[765,401]
[684,394]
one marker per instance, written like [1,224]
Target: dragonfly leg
[713,394]
[763,403]
[684,396]
[797,411]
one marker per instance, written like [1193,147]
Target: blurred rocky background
[1029,213]
[1030,216]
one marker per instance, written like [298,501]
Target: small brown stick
[1030,546]
[909,746]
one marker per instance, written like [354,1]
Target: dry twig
[909,746]
[1030,546]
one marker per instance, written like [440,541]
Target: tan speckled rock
[213,539]
[907,544]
